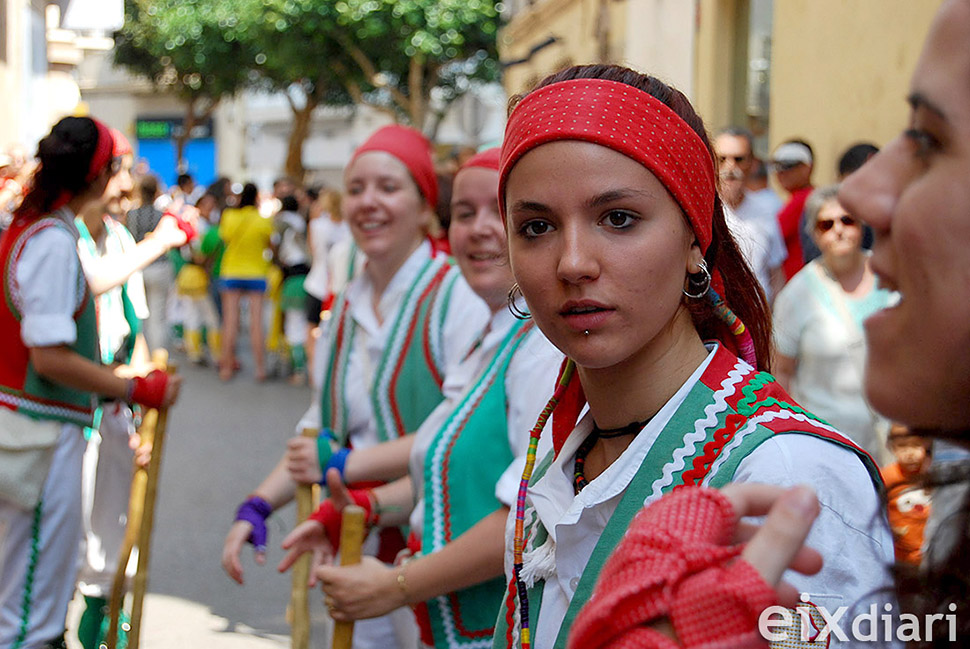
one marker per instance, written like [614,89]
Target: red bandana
[487,159]
[627,120]
[412,149]
[121,144]
[102,153]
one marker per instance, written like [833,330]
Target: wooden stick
[141,519]
[351,540]
[299,599]
[136,508]
[136,502]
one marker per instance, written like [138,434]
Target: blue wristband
[337,461]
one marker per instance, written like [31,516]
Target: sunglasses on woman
[828,224]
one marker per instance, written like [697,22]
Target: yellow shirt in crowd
[247,237]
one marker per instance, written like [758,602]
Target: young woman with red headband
[465,460]
[915,195]
[50,374]
[618,243]
[396,331]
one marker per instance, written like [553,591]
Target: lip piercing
[586,332]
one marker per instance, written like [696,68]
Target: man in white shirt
[752,218]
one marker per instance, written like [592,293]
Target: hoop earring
[703,284]
[513,308]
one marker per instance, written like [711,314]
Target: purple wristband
[255,511]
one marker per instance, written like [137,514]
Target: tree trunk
[191,119]
[416,91]
[188,123]
[603,29]
[302,119]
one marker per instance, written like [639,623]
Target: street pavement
[223,438]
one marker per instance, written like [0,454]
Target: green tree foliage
[409,58]
[414,50]
[299,56]
[196,49]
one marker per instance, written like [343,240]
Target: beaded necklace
[579,472]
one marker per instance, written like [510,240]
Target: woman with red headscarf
[465,459]
[50,374]
[395,332]
[618,243]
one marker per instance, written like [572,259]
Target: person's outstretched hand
[249,527]
[320,539]
[232,550]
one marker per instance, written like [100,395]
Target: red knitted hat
[412,149]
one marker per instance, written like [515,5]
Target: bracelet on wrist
[337,461]
[402,582]
[375,509]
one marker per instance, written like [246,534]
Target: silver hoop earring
[513,307]
[700,285]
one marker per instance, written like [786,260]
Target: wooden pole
[141,518]
[148,516]
[351,540]
[299,597]
[136,503]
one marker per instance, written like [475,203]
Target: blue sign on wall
[157,147]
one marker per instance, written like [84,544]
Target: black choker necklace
[579,464]
[611,433]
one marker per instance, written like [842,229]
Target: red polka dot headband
[627,120]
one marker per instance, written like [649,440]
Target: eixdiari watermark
[878,624]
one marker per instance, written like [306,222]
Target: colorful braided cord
[736,327]
[519,546]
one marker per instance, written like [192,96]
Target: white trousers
[43,543]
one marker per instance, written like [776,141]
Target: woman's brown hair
[742,292]
[65,158]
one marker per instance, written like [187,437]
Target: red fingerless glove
[328,515]
[719,607]
[673,555]
[184,226]
[149,390]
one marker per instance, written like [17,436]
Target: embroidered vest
[407,382]
[464,462]
[729,412]
[22,389]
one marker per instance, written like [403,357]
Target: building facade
[833,72]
